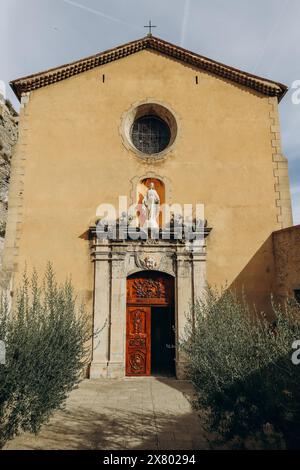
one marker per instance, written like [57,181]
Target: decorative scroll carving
[149,288]
[145,263]
[137,362]
[137,343]
[138,322]
[150,241]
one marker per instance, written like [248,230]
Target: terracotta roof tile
[48,77]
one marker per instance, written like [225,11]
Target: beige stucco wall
[71,158]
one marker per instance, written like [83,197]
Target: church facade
[140,128]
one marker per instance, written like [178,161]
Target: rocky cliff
[8,139]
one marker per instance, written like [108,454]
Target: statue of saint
[151,207]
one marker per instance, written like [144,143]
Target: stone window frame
[162,110]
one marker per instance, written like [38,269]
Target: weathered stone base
[116,370]
[107,370]
[98,370]
[181,370]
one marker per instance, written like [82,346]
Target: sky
[259,36]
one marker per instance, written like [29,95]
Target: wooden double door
[150,325]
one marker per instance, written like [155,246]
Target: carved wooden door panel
[138,341]
[149,290]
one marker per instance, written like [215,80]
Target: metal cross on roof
[150,26]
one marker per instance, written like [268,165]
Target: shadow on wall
[274,269]
[258,279]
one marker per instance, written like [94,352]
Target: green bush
[241,366]
[45,336]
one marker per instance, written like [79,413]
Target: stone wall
[8,139]
[286,245]
[273,269]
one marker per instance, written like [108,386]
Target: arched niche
[141,190]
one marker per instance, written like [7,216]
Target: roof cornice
[57,74]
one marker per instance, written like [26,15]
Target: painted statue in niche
[151,207]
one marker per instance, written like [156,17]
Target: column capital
[100,251]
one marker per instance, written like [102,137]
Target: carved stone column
[100,356]
[184,299]
[199,269]
[116,366]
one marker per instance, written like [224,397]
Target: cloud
[295,192]
[100,13]
[280,17]
[185,21]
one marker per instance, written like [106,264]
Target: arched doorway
[150,324]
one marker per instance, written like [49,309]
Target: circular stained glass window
[150,134]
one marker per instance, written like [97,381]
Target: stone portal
[159,273]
